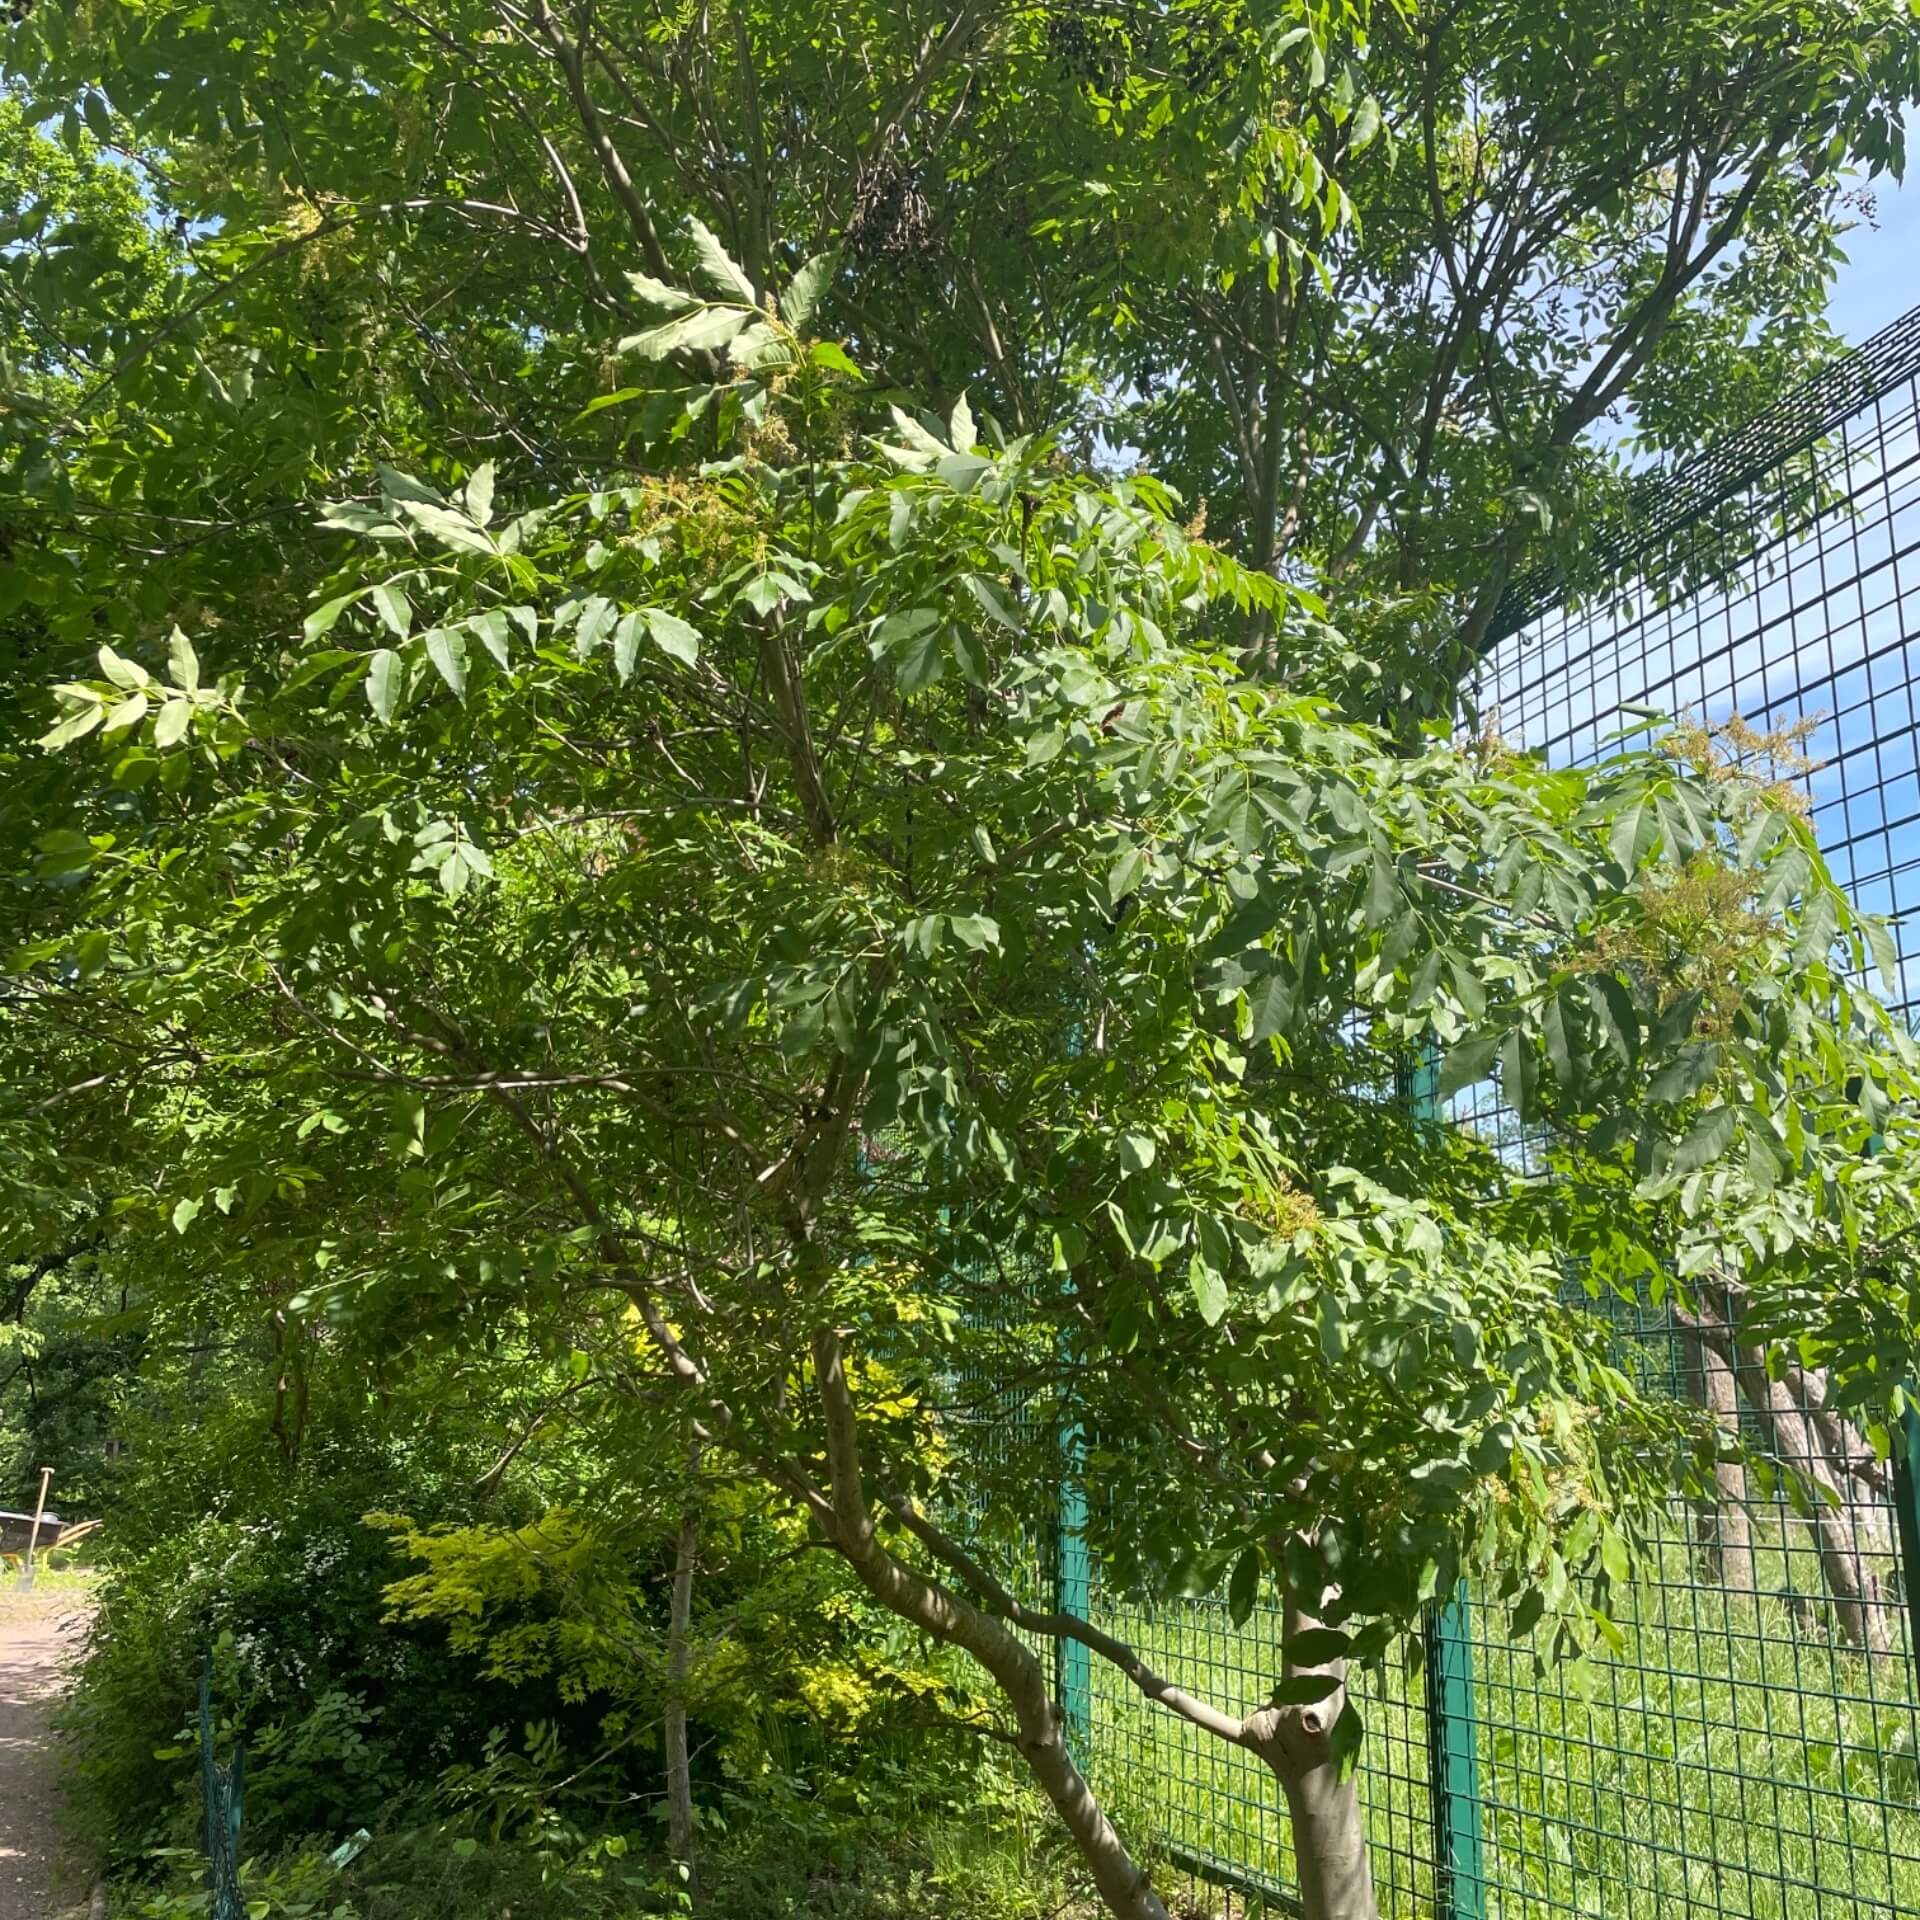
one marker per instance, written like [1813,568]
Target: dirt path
[38,1636]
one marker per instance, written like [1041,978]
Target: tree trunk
[1329,1829]
[686,1551]
[1863,1478]
[1722,1525]
[1859,1605]
[1040,1732]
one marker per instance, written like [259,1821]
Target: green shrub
[346,1716]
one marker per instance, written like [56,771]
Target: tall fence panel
[1752,1749]
[1751,1752]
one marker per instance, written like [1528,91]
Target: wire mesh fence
[1752,1749]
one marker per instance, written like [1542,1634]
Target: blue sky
[1881,279]
[1826,624]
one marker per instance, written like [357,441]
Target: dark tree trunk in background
[1722,1524]
[686,1556]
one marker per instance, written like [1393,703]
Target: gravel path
[38,1636]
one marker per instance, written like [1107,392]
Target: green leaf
[1560,1052]
[1466,1064]
[170,723]
[1762,831]
[673,636]
[961,471]
[129,713]
[805,289]
[656,293]
[1243,1587]
[921,659]
[449,528]
[1317,1647]
[1468,988]
[1684,1075]
[1124,875]
[184,1214]
[755,346]
[72,728]
[1632,836]
[1526,1615]
[1347,1738]
[1706,1140]
[975,930]
[394,608]
[1273,1003]
[447,649]
[596,622]
[696,332]
[397,486]
[1209,1291]
[493,632]
[1884,955]
[827,353]
[995,601]
[1613,1556]
[183,664]
[123,673]
[1304,1689]
[325,617]
[1383,891]
[1137,1151]
[479,493]
[961,433]
[1619,1023]
[626,644]
[916,437]
[385,681]
[716,266]
[622,397]
[1519,1072]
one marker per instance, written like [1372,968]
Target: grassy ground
[1736,1760]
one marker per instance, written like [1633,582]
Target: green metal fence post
[1453,1719]
[1453,1761]
[1072,1583]
[1072,1567]
[1906,1505]
[223,1792]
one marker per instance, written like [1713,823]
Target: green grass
[1735,1760]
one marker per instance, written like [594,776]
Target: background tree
[1385,292]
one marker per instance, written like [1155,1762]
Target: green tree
[652,870]
[1383,289]
[741,920]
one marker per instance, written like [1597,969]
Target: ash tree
[1389,290]
[803,905]
[808,926]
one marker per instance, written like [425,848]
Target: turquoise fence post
[1906,1506]
[1453,1717]
[223,1791]
[1453,1761]
[1072,1593]
[1072,1567]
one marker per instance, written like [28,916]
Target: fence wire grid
[1754,1751]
